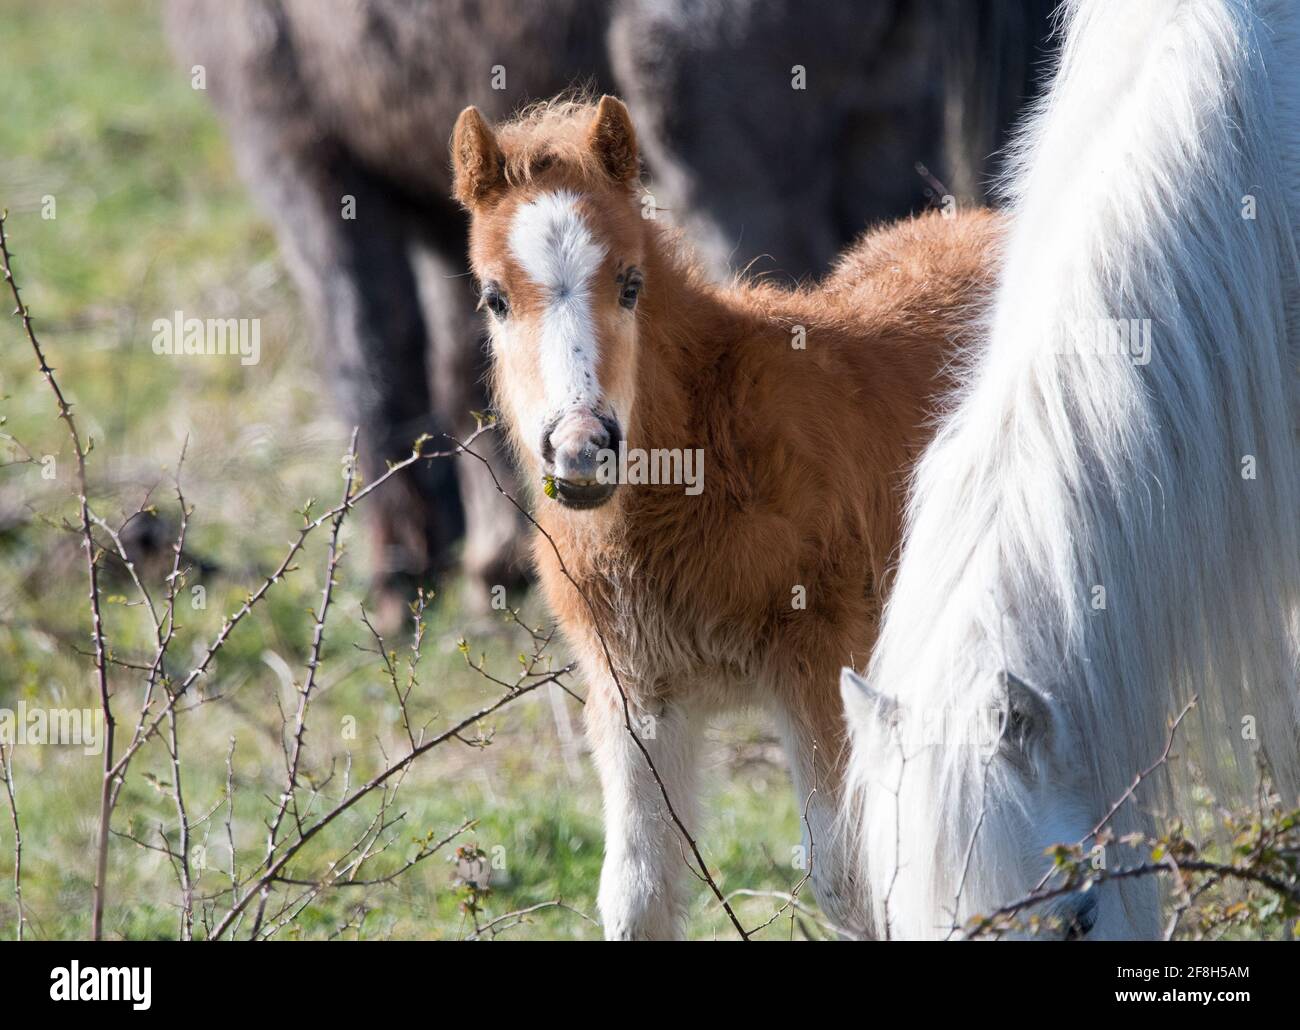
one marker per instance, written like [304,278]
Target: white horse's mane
[1056,474]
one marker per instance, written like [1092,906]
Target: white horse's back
[1119,530]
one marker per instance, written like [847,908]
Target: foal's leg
[812,730]
[641,883]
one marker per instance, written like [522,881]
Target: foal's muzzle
[572,456]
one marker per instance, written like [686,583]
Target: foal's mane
[549,132]
[556,133]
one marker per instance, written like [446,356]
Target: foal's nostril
[548,448]
[578,440]
[613,433]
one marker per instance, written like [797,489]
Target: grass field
[149,217]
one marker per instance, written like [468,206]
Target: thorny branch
[7,774]
[92,571]
[305,691]
[618,683]
[310,831]
[155,716]
[1267,852]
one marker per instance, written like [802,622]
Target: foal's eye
[494,300]
[629,283]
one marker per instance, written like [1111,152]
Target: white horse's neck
[1119,529]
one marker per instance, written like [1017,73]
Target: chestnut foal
[755,584]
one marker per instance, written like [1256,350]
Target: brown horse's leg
[812,728]
[495,553]
[359,289]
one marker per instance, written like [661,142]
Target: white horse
[1095,537]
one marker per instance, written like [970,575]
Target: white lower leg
[641,883]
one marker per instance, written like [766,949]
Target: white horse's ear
[861,701]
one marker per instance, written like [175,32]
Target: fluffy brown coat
[810,404]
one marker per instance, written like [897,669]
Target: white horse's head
[965,805]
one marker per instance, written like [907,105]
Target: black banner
[147,980]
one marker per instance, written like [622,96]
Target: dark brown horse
[339,111]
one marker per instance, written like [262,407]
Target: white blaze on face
[552,244]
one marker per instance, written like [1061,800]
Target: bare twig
[146,731]
[618,683]
[1220,870]
[791,903]
[173,739]
[92,572]
[7,774]
[308,832]
[513,919]
[1160,761]
[1041,893]
[294,756]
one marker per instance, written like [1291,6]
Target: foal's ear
[613,140]
[476,159]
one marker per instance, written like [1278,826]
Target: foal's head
[558,246]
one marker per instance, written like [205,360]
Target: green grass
[150,217]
